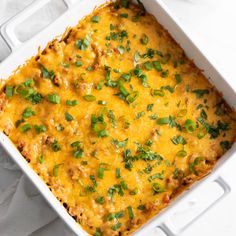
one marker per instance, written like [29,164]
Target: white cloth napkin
[23,211]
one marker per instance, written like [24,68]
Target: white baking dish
[75,11]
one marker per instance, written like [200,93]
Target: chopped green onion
[100,172]
[41,159]
[79,153]
[132,97]
[157,65]
[102,102]
[148,65]
[130,212]
[78,63]
[118,173]
[40,128]
[116,226]
[26,127]
[141,207]
[124,15]
[149,107]
[157,188]
[54,98]
[200,92]
[72,103]
[144,40]
[134,191]
[56,146]
[178,140]
[95,19]
[99,86]
[181,153]
[100,200]
[203,114]
[193,164]
[9,91]
[163,121]
[226,145]
[28,113]
[98,232]
[140,114]
[165,73]
[121,49]
[68,116]
[102,167]
[178,78]
[65,65]
[90,68]
[47,74]
[126,77]
[59,128]
[89,98]
[190,126]
[156,176]
[55,170]
[119,144]
[202,133]
[157,92]
[136,57]
[83,44]
[24,91]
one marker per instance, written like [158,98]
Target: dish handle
[193,207]
[8,28]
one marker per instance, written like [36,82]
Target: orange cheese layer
[115,119]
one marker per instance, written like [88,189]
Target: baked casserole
[115,119]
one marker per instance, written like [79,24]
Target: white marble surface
[212,26]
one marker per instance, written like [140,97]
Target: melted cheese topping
[115,119]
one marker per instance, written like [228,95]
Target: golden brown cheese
[115,119]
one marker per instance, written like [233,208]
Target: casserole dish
[193,56]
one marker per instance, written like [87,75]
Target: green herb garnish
[47,74]
[56,146]
[118,173]
[130,212]
[200,92]
[40,128]
[28,113]
[68,116]
[41,159]
[26,127]
[190,126]
[95,19]
[83,44]
[178,140]
[98,232]
[181,153]
[78,63]
[72,102]
[116,226]
[55,170]
[119,144]
[121,49]
[157,188]
[132,97]
[157,65]
[148,65]
[9,91]
[89,98]
[54,98]
[144,40]
[226,145]
[100,200]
